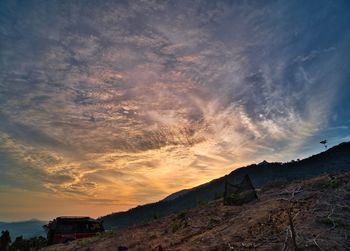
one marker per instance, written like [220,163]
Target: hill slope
[320,209]
[334,159]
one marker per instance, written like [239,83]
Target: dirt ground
[319,211]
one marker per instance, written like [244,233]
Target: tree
[5,240]
[34,243]
[18,244]
[324,142]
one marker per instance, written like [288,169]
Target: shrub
[233,196]
[86,242]
[174,226]
[218,195]
[182,214]
[333,183]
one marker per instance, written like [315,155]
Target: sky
[106,105]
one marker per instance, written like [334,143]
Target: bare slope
[332,160]
[320,208]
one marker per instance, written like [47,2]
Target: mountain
[318,209]
[333,160]
[176,195]
[27,229]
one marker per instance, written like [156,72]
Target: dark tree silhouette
[5,240]
[324,142]
[19,244]
[34,243]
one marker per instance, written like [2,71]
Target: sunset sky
[106,105]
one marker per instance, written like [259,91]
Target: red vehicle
[65,229]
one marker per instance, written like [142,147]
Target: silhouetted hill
[176,195]
[27,229]
[333,160]
[318,208]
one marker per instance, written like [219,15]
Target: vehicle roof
[74,219]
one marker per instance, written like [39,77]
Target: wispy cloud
[120,103]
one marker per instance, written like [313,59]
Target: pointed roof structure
[238,194]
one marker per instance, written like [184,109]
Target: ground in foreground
[320,212]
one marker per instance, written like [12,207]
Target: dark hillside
[333,160]
[318,208]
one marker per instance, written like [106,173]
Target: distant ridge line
[334,159]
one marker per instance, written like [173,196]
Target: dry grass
[320,211]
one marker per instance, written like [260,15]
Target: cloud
[126,102]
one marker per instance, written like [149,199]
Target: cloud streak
[113,104]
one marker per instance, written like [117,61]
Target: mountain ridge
[317,209]
[334,159]
[27,228]
[337,158]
